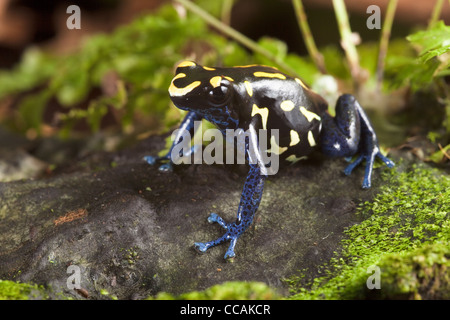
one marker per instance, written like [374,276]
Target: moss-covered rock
[233,290]
[423,273]
[10,290]
[130,228]
[405,236]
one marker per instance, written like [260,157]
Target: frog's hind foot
[370,159]
[350,133]
[228,236]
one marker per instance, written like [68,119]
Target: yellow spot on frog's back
[249,88]
[264,112]
[293,158]
[311,140]
[215,81]
[295,138]
[300,82]
[229,78]
[309,115]
[287,105]
[248,66]
[261,74]
[174,91]
[275,148]
[208,68]
[186,64]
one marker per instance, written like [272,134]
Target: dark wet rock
[130,228]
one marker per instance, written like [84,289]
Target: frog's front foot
[165,167]
[370,159]
[232,234]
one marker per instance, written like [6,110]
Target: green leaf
[277,47]
[304,66]
[435,53]
[436,37]
[34,68]
[74,88]
[95,114]
[334,62]
[31,109]
[432,61]
[440,155]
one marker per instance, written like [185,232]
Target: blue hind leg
[351,133]
[187,126]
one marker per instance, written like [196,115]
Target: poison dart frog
[258,97]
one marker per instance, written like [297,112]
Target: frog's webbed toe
[370,160]
[164,167]
[230,235]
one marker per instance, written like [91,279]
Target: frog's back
[286,104]
[283,103]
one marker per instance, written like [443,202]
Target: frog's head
[200,89]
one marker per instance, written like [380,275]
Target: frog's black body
[252,95]
[260,97]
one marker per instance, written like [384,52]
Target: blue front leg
[250,199]
[350,133]
[186,125]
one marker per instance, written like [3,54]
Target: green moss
[10,290]
[233,290]
[423,273]
[405,232]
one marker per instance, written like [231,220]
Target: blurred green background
[112,75]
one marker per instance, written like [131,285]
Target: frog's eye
[219,96]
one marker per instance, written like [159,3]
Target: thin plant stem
[347,42]
[227,5]
[307,36]
[384,40]
[436,12]
[237,36]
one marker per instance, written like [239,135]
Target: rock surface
[130,228]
